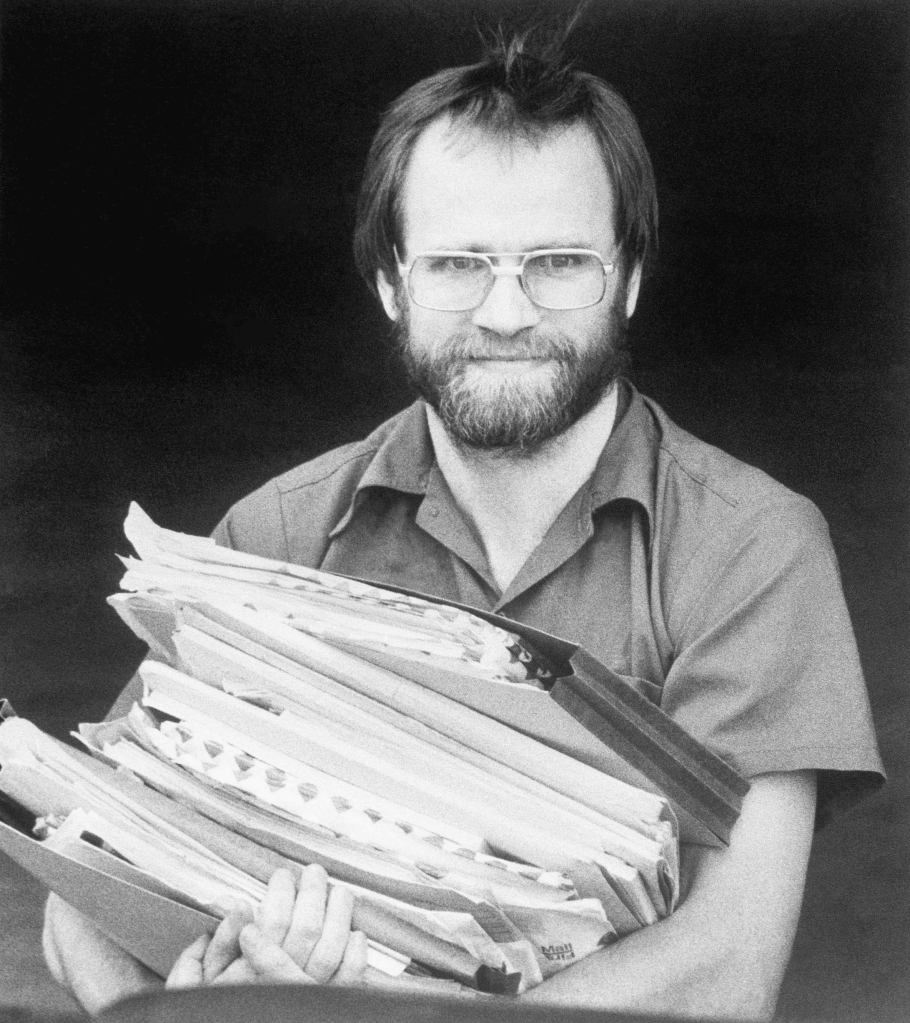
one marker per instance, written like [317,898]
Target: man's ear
[387,295]
[632,289]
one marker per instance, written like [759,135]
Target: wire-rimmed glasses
[449,281]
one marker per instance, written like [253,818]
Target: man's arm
[724,951]
[95,970]
[88,964]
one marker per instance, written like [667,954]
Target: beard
[519,413]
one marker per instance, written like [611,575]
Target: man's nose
[507,309]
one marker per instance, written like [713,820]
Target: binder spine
[698,780]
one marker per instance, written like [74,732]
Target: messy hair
[522,88]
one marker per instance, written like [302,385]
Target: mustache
[534,345]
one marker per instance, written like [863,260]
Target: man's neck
[512,500]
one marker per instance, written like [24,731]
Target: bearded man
[507,214]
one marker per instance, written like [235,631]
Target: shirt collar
[404,459]
[627,468]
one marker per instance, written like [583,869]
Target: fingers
[302,934]
[308,915]
[239,972]
[275,911]
[270,962]
[187,970]
[329,950]
[353,969]
[224,947]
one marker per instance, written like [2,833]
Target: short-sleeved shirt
[712,588]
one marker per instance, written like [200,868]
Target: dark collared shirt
[712,587]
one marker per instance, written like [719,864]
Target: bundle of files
[291,716]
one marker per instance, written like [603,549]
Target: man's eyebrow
[541,247]
[564,244]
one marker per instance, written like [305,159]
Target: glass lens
[449,282]
[564,280]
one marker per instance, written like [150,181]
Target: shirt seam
[701,547]
[370,452]
[695,479]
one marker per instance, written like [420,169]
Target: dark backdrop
[182,319]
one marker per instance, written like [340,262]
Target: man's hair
[520,90]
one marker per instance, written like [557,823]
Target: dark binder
[685,770]
[706,792]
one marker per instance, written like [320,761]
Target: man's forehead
[459,137]
[467,186]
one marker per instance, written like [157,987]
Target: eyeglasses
[551,278]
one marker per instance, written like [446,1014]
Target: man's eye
[453,264]
[559,261]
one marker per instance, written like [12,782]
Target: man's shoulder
[712,508]
[714,480]
[290,516]
[336,467]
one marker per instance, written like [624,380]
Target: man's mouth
[509,355]
[508,368]
[510,358]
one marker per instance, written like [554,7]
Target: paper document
[494,798]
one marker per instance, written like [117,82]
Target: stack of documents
[290,716]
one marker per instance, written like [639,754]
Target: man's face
[509,375]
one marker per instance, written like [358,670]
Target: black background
[182,319]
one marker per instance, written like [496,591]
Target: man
[506,217]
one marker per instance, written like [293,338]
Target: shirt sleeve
[255,525]
[766,671]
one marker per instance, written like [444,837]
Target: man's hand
[724,951]
[300,936]
[96,971]
[722,954]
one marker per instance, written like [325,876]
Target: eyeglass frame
[506,271]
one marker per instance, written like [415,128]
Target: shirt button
[434,512]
